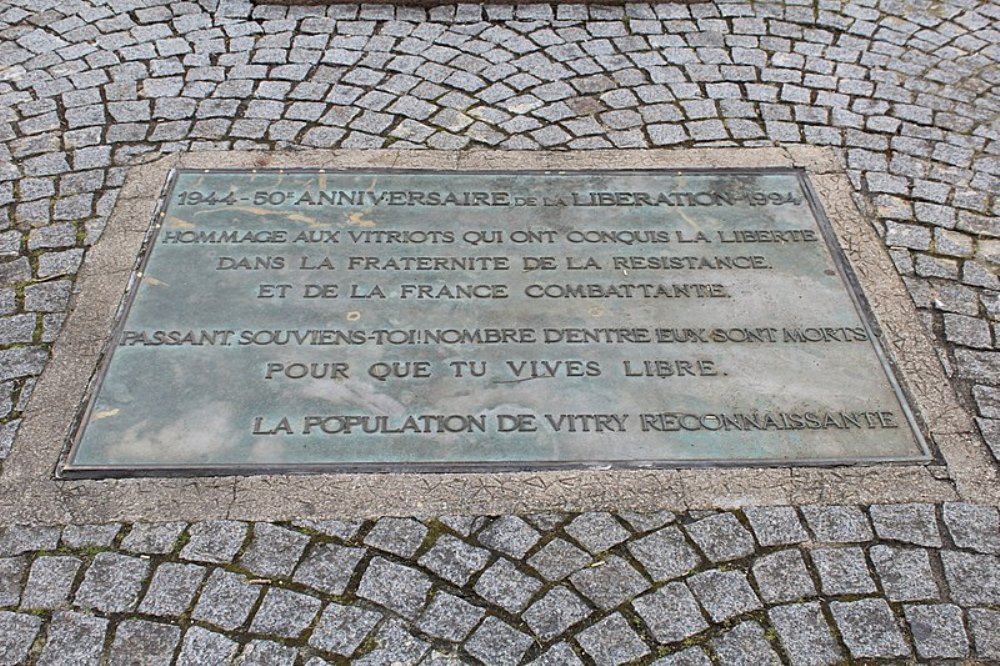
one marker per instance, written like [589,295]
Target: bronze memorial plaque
[324,320]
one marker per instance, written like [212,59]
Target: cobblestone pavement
[818,585]
[908,92]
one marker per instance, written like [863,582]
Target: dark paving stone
[505,586]
[776,525]
[510,535]
[554,613]
[449,617]
[341,629]
[905,573]
[973,579]
[285,613]
[938,631]
[73,638]
[869,629]
[328,567]
[49,582]
[723,594]
[139,641]
[496,642]
[611,642]
[153,538]
[172,589]
[17,633]
[454,560]
[782,576]
[597,532]
[112,583]
[394,586]
[202,647]
[665,554]
[558,559]
[670,613]
[721,537]
[745,644]
[274,551]
[805,634]
[842,571]
[400,536]
[837,524]
[214,541]
[909,523]
[609,584]
[226,600]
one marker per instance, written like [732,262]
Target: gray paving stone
[782,576]
[341,629]
[401,536]
[496,642]
[17,633]
[226,600]
[555,612]
[214,541]
[560,654]
[454,560]
[611,642]
[172,589]
[984,626]
[905,573]
[89,536]
[449,617]
[805,634]
[842,571]
[670,613]
[274,551]
[510,535]
[505,586]
[665,554]
[745,644]
[869,629]
[597,532]
[19,539]
[837,524]
[112,583]
[267,653]
[328,567]
[609,583]
[394,586]
[973,579]
[285,613]
[73,638]
[776,525]
[558,559]
[723,594]
[151,642]
[202,647]
[938,631]
[973,526]
[721,537]
[12,570]
[393,644]
[909,523]
[49,582]
[646,522]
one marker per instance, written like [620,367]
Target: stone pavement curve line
[906,92]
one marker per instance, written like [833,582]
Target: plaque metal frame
[927,453]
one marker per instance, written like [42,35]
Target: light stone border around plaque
[29,492]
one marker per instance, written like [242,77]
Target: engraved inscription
[396,319]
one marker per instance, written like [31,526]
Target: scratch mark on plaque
[106,413]
[305,219]
[154,282]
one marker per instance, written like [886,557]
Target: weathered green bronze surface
[412,320]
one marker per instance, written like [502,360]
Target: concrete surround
[29,492]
